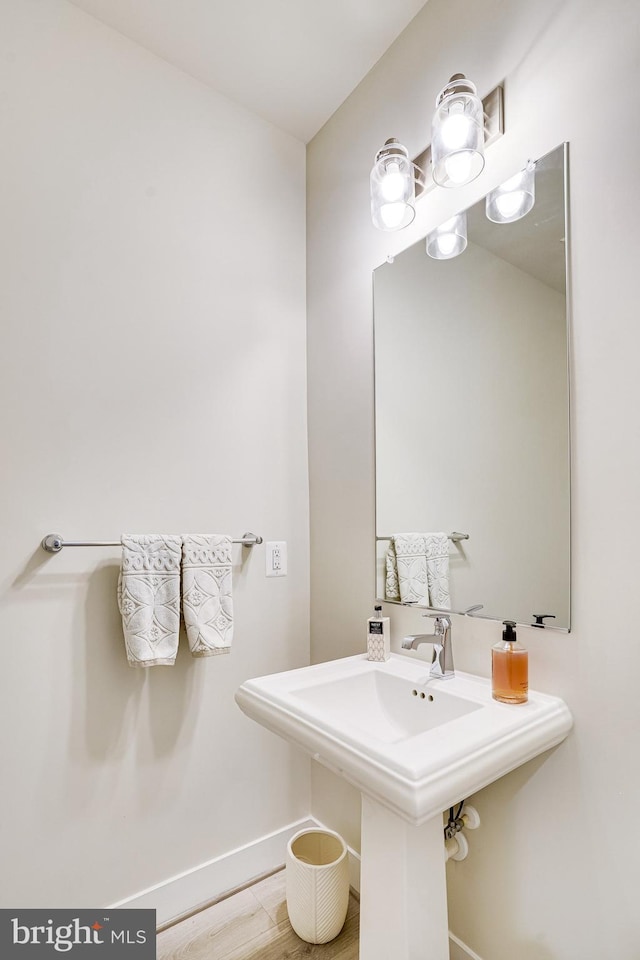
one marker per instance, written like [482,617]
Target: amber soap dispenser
[509,668]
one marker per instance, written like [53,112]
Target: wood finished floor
[253,925]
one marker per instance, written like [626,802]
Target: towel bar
[53,542]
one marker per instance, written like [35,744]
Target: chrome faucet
[442,662]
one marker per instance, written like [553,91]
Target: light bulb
[455,128]
[392,214]
[514,198]
[458,166]
[510,203]
[446,244]
[393,183]
[449,239]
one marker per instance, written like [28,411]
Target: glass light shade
[449,239]
[514,198]
[393,193]
[457,134]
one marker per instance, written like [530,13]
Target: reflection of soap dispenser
[509,668]
[378,637]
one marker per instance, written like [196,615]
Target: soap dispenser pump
[509,667]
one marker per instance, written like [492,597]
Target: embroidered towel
[149,598]
[206,593]
[417,569]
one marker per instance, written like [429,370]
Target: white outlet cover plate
[276,558]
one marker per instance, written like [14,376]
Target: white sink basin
[415,745]
[377,706]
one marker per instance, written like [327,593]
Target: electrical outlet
[276,558]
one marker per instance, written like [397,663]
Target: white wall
[152,379]
[552,873]
[459,373]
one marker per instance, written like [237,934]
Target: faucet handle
[442,623]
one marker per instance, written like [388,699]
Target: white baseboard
[459,950]
[208,881]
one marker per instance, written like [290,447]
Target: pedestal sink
[414,747]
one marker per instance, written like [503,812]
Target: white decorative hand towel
[417,569]
[207,605]
[149,598]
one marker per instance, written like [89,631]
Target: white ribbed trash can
[317,882]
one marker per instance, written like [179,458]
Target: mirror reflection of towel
[417,569]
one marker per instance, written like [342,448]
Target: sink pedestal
[403,888]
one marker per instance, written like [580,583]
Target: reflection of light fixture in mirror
[449,239]
[513,198]
[457,134]
[393,187]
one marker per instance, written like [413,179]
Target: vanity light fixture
[462,127]
[393,187]
[449,239]
[457,134]
[514,198]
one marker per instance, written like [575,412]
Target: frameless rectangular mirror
[472,411]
